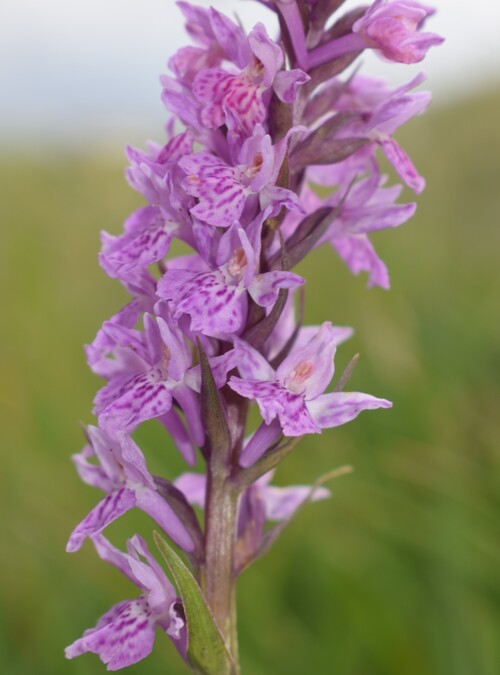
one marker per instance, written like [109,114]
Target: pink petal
[267,395]
[220,193]
[245,105]
[92,474]
[336,408]
[403,165]
[214,307]
[123,636]
[268,53]
[149,576]
[295,417]
[309,370]
[109,509]
[155,506]
[148,243]
[282,502]
[253,366]
[287,82]
[209,87]
[230,37]
[144,397]
[264,288]
[360,256]
[193,486]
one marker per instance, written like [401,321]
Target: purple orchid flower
[142,286]
[237,99]
[189,60]
[146,240]
[126,633]
[293,394]
[219,39]
[384,111]
[377,111]
[123,475]
[150,230]
[155,174]
[368,207]
[217,299]
[391,27]
[150,374]
[222,189]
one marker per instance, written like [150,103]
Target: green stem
[217,578]
[233,641]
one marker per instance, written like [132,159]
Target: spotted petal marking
[146,240]
[229,99]
[123,636]
[218,188]
[214,306]
[244,106]
[296,420]
[275,401]
[209,87]
[109,509]
[403,165]
[145,396]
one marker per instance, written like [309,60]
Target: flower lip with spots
[294,392]
[149,380]
[217,299]
[236,100]
[223,190]
[126,633]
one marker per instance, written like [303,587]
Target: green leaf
[207,651]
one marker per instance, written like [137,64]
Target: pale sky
[73,70]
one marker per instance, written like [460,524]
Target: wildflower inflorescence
[272,151]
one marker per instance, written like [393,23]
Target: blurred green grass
[399,572]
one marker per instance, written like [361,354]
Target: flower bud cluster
[258,130]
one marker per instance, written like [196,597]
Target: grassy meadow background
[399,573]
